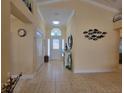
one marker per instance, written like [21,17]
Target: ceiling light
[56,22]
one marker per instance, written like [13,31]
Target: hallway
[86,33]
[54,78]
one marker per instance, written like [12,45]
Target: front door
[56,48]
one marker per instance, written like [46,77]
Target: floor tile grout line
[55,80]
[55,76]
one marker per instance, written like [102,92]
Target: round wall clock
[22,32]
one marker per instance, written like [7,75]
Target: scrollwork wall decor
[70,42]
[94,34]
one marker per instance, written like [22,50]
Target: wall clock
[22,32]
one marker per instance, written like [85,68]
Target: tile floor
[54,78]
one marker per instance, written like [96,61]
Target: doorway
[39,48]
[120,51]
[55,45]
[56,48]
[120,45]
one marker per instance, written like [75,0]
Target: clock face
[21,32]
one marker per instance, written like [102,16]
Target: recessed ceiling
[51,14]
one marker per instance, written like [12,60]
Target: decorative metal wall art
[66,47]
[69,61]
[117,17]
[94,34]
[70,42]
[28,3]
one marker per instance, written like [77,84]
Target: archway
[55,44]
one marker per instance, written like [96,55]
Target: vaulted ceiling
[62,15]
[52,14]
[48,1]
[115,4]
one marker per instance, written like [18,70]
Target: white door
[56,48]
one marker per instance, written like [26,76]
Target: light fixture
[38,34]
[56,22]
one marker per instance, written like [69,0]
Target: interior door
[56,48]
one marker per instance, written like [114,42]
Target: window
[56,32]
[48,47]
[55,43]
[63,46]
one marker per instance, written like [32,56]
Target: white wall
[39,48]
[5,40]
[88,55]
[21,48]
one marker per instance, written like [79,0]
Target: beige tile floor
[54,78]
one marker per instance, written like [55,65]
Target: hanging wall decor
[66,47]
[69,61]
[94,34]
[22,32]
[70,42]
[28,4]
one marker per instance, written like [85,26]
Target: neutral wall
[24,55]
[39,49]
[39,25]
[5,40]
[88,55]
[73,31]
[21,48]
[118,25]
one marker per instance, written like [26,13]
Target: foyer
[54,78]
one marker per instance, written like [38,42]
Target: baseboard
[18,86]
[38,69]
[94,70]
[24,76]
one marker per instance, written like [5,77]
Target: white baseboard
[24,76]
[38,69]
[94,70]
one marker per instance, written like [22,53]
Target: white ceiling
[115,4]
[48,1]
[52,14]
[63,14]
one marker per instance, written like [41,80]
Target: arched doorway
[56,44]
